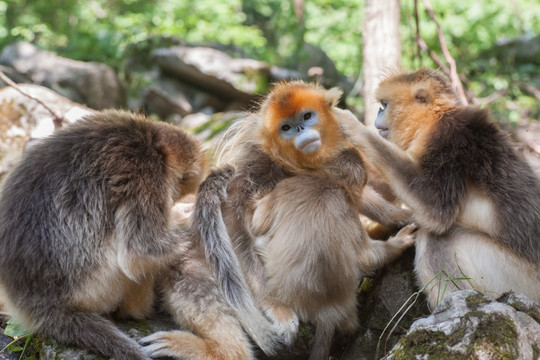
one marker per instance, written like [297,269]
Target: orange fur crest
[288,99]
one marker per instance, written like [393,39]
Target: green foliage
[270,30]
[18,333]
[474,33]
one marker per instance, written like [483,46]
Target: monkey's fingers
[177,344]
[406,235]
[347,121]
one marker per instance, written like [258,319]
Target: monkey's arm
[432,196]
[146,234]
[253,181]
[375,207]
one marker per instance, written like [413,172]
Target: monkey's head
[187,163]
[411,103]
[298,128]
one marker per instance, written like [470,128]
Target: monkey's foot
[405,237]
[185,345]
[286,322]
[175,344]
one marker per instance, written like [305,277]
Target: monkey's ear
[333,95]
[422,96]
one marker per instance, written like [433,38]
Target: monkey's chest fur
[310,251]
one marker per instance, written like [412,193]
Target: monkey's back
[57,207]
[469,149]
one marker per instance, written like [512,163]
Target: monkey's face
[410,105]
[299,129]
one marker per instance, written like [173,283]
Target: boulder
[214,71]
[22,119]
[469,325]
[93,84]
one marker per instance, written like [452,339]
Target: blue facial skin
[300,127]
[380,121]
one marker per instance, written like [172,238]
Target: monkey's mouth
[310,146]
[383,131]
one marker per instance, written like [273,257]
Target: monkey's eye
[307,116]
[384,103]
[285,127]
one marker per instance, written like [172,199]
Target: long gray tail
[211,229]
[92,332]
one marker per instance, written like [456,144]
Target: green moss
[216,125]
[536,352]
[520,306]
[474,301]
[141,326]
[495,335]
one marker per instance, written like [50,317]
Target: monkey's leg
[139,299]
[324,334]
[466,259]
[193,299]
[90,331]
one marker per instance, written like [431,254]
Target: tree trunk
[382,48]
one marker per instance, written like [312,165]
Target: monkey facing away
[85,225]
[287,237]
[476,201]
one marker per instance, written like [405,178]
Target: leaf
[15,329]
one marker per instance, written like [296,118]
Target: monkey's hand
[405,237]
[357,132]
[285,320]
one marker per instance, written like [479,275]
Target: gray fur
[93,188]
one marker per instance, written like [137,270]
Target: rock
[22,118]
[314,62]
[208,127]
[214,71]
[50,349]
[522,50]
[13,75]
[389,296]
[93,84]
[168,96]
[468,325]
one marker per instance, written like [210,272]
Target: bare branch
[491,98]
[528,87]
[57,120]
[418,37]
[454,77]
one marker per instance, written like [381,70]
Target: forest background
[274,31]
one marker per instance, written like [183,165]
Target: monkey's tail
[211,229]
[90,331]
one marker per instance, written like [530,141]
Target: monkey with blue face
[284,234]
[477,202]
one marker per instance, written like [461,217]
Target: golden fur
[476,199]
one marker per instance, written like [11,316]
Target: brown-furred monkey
[286,237]
[476,200]
[86,225]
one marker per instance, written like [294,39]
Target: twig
[418,38]
[528,87]
[454,77]
[57,120]
[491,98]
